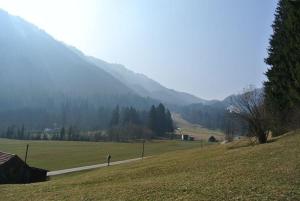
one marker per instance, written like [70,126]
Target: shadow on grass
[272,140]
[241,144]
[249,143]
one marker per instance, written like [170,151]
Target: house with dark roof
[14,170]
[212,139]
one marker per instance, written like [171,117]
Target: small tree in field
[250,107]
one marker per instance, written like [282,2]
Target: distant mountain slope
[44,84]
[33,64]
[141,84]
[145,86]
[193,129]
[213,115]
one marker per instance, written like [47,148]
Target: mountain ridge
[32,59]
[142,84]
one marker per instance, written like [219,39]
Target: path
[59,172]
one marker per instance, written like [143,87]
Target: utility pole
[143,151]
[26,153]
[25,165]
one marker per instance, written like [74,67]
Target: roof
[4,157]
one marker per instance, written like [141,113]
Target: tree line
[58,110]
[71,133]
[128,123]
[124,123]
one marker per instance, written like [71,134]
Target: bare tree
[250,107]
[229,127]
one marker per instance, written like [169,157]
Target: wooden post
[26,153]
[25,166]
[143,151]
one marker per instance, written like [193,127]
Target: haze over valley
[149,100]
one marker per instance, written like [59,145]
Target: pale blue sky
[210,48]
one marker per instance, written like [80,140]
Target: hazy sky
[210,48]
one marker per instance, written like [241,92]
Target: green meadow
[235,171]
[55,155]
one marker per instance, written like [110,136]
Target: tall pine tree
[283,85]
[115,119]
[169,122]
[62,133]
[152,119]
[161,119]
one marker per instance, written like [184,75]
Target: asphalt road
[65,171]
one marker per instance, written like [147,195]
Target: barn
[212,139]
[185,137]
[14,170]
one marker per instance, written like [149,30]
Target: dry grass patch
[262,172]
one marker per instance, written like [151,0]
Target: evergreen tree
[7,134]
[10,132]
[62,133]
[115,119]
[134,116]
[169,122]
[152,119]
[18,134]
[125,116]
[70,133]
[161,119]
[130,116]
[283,86]
[22,133]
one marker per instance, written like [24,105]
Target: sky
[209,48]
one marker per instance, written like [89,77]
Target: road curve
[77,169]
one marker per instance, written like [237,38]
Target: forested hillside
[45,84]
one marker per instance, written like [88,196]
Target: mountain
[43,83]
[215,114]
[145,86]
[33,64]
[141,84]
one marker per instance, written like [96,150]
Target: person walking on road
[108,159]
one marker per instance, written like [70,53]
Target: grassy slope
[54,155]
[195,130]
[217,172]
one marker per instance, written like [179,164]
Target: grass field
[235,171]
[54,155]
[195,130]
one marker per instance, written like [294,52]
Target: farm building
[212,139]
[185,137]
[14,170]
